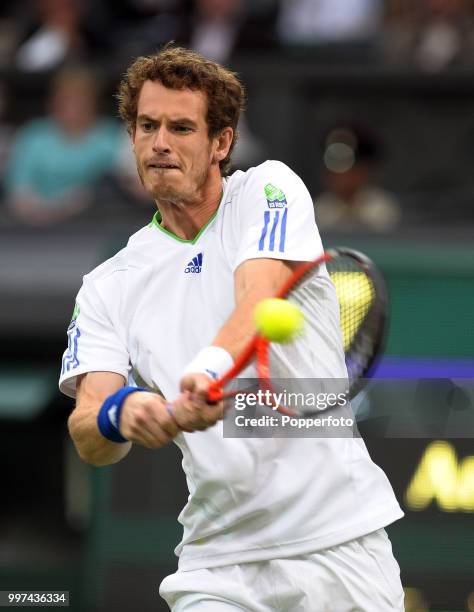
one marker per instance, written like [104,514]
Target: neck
[185,219]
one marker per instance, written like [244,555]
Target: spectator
[446,37]
[432,34]
[10,29]
[54,36]
[127,28]
[326,21]
[216,26]
[219,28]
[352,201]
[56,160]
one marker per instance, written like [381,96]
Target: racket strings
[356,294]
[359,315]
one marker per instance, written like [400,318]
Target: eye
[182,129]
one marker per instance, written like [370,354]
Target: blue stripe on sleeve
[272,234]
[67,354]
[70,359]
[75,362]
[266,218]
[283,231]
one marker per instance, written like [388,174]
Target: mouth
[163,166]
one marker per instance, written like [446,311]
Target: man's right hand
[191,410]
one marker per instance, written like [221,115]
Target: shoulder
[272,183]
[133,255]
[265,172]
[107,269]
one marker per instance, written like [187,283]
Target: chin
[165,192]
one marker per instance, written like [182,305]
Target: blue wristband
[108,419]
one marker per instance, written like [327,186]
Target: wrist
[211,360]
[108,419]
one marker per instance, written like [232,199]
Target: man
[352,200]
[57,161]
[271,524]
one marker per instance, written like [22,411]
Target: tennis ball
[278,320]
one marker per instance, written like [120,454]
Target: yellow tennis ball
[278,320]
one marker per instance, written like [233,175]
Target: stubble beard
[166,192]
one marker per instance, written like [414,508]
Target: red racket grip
[215,392]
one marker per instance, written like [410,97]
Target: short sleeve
[276,217]
[94,342]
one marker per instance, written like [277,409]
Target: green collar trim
[156,222]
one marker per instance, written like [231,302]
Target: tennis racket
[362,296]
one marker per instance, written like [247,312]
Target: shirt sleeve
[95,343]
[276,217]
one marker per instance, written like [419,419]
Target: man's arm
[144,419]
[91,390]
[254,280]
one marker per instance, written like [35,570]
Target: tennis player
[271,524]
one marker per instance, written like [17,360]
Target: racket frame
[377,315]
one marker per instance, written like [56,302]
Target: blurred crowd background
[60,61]
[371,102]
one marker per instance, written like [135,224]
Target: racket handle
[215,393]
[263,358]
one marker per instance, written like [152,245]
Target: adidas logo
[195,265]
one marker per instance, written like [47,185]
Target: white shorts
[358,576]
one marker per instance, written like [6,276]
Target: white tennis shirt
[148,310]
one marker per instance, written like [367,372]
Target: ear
[223,142]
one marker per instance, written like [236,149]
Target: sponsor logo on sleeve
[75,314]
[275,196]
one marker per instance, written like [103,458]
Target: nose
[160,141]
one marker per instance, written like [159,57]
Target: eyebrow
[187,120]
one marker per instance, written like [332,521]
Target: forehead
[156,100]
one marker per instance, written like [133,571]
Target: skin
[174,131]
[178,163]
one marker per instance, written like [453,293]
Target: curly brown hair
[178,68]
